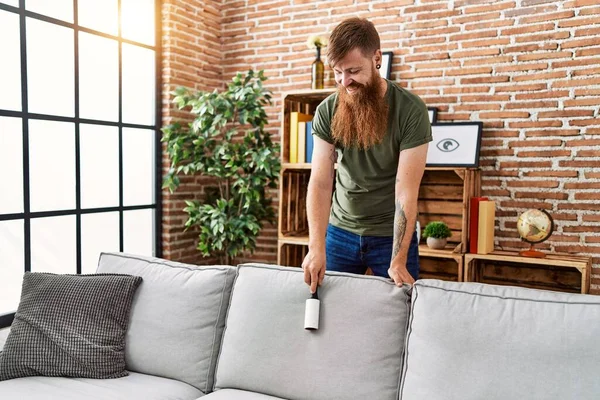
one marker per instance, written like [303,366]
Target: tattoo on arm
[399,228]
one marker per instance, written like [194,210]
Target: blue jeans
[349,252]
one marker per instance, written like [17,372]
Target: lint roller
[311,312]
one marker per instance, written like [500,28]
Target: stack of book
[301,140]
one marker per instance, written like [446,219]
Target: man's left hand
[400,274]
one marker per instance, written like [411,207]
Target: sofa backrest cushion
[355,354]
[472,341]
[177,317]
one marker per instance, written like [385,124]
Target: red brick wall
[528,69]
[191,42]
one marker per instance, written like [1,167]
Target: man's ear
[378,56]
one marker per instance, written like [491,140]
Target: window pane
[138,20]
[138,166]
[99,232]
[50,68]
[14,3]
[10,67]
[99,15]
[12,264]
[138,232]
[59,9]
[53,246]
[98,77]
[138,85]
[11,159]
[99,166]
[52,165]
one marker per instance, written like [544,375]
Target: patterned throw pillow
[71,326]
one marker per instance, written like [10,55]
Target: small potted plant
[437,234]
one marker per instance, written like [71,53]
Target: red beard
[361,118]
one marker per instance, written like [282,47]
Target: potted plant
[437,234]
[226,141]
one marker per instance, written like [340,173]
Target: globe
[534,226]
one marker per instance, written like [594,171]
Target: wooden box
[558,272]
[444,264]
[444,196]
[292,207]
[291,254]
[301,101]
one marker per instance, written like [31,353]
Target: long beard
[361,118]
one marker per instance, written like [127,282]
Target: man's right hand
[314,269]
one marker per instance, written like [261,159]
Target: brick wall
[527,68]
[191,42]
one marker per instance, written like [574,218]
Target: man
[378,133]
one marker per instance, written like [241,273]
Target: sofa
[236,333]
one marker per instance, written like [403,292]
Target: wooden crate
[302,101]
[444,196]
[291,254]
[442,264]
[564,273]
[292,194]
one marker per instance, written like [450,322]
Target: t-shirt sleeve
[418,128]
[321,123]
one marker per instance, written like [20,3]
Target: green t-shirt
[364,197]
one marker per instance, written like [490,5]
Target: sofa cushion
[177,317]
[473,341]
[133,387]
[69,325]
[355,354]
[233,394]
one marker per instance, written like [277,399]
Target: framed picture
[455,144]
[432,114]
[386,64]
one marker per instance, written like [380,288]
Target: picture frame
[432,114]
[455,144]
[386,64]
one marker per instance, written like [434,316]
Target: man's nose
[346,80]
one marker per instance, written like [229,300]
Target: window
[79,136]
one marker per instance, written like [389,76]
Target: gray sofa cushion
[177,317]
[69,325]
[355,354]
[471,341]
[133,387]
[233,394]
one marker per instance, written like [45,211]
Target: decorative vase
[318,71]
[436,243]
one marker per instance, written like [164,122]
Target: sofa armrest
[3,336]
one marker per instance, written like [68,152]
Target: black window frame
[26,116]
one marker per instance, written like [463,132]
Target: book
[295,118]
[301,142]
[309,142]
[485,233]
[474,222]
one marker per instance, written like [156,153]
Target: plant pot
[436,243]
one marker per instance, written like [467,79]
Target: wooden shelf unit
[559,272]
[444,196]
[292,243]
